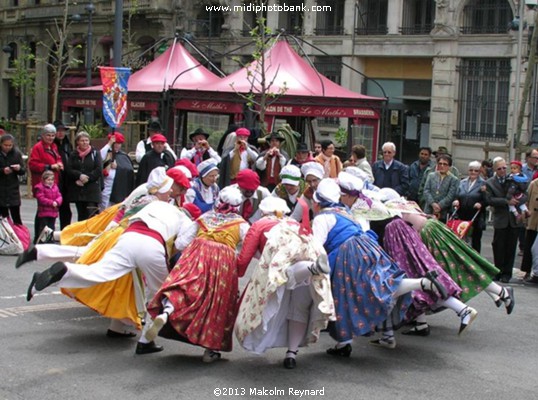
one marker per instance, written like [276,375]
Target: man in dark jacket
[157,157]
[389,172]
[505,225]
[64,148]
[417,170]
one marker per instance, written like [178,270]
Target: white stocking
[168,307]
[454,304]
[296,333]
[408,285]
[494,290]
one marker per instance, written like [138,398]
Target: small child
[49,200]
[517,186]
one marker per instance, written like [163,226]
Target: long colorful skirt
[262,319]
[472,272]
[83,232]
[363,284]
[404,245]
[203,288]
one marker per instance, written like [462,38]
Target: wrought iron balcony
[481,136]
[372,30]
[416,29]
[332,31]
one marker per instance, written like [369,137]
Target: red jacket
[41,159]
[45,196]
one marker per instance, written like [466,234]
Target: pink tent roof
[285,69]
[175,64]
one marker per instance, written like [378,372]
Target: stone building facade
[449,68]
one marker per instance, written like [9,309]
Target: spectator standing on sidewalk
[44,156]
[11,167]
[389,172]
[49,200]
[505,225]
[84,172]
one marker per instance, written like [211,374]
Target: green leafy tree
[261,96]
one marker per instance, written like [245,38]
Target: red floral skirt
[203,289]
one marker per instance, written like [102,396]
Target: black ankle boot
[290,362]
[26,256]
[420,329]
[432,277]
[340,351]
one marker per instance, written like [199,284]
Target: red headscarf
[247,179]
[189,165]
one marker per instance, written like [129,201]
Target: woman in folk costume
[288,299]
[404,245]
[367,286]
[204,190]
[331,163]
[198,301]
[472,272]
[291,186]
[312,173]
[118,172]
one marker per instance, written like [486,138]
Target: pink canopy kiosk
[176,66]
[305,93]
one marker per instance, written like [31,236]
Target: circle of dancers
[321,254]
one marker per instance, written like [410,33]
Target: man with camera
[201,150]
[271,161]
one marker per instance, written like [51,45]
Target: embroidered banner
[115,94]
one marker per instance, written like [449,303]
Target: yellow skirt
[119,299]
[81,233]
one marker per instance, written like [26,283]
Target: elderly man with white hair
[390,172]
[506,226]
[288,300]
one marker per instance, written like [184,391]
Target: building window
[12,55]
[330,22]
[292,22]
[250,21]
[331,68]
[418,17]
[486,16]
[484,98]
[372,17]
[208,24]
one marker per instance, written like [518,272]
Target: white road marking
[23,296]
[16,311]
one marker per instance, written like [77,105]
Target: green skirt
[472,272]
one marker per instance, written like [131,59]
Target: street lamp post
[90,8]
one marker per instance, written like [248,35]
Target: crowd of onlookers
[62,173]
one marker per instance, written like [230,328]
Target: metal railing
[374,30]
[416,29]
[333,31]
[481,136]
